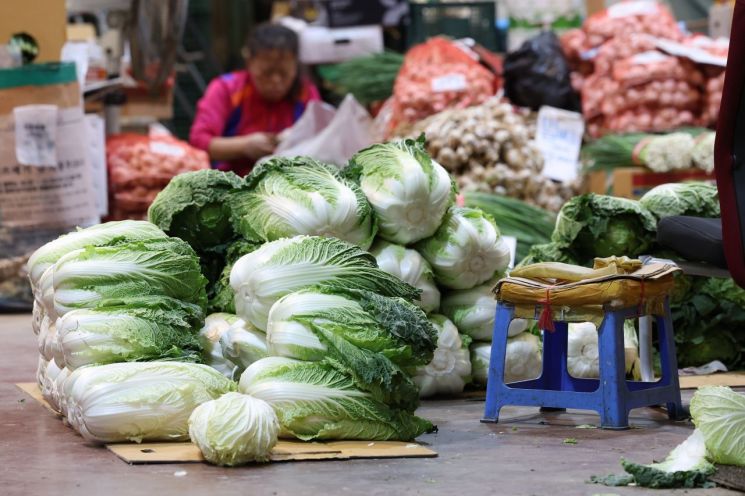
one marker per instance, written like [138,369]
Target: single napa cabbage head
[409,266]
[466,250]
[234,429]
[409,191]
[450,368]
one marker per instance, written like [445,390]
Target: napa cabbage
[466,250]
[409,191]
[450,368]
[316,400]
[234,429]
[131,330]
[87,277]
[139,401]
[193,207]
[98,235]
[281,267]
[409,266]
[288,197]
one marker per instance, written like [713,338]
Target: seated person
[240,114]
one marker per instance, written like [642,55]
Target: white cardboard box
[322,45]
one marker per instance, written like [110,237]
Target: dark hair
[268,36]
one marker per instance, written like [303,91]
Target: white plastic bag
[348,131]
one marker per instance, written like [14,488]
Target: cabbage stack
[117,292]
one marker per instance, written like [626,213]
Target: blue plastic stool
[612,396]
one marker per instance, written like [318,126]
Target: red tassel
[546,319]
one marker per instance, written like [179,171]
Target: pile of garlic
[490,148]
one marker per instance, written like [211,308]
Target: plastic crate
[475,20]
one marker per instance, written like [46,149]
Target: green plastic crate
[475,20]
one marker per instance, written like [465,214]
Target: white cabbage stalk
[215,325]
[278,268]
[292,339]
[49,346]
[41,371]
[450,368]
[583,357]
[290,197]
[139,401]
[234,429]
[243,344]
[37,315]
[56,397]
[46,293]
[473,310]
[467,249]
[409,266]
[409,191]
[41,339]
[524,359]
[51,372]
[97,235]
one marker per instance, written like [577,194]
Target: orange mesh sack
[437,75]
[141,166]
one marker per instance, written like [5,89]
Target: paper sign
[512,245]
[692,53]
[449,82]
[559,137]
[649,57]
[168,149]
[38,197]
[36,134]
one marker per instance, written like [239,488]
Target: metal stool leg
[646,351]
[613,390]
[495,381]
[669,364]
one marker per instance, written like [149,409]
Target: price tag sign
[162,148]
[449,82]
[36,135]
[559,137]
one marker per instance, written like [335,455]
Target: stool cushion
[696,239]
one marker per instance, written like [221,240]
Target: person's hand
[259,145]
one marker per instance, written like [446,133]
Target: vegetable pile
[326,340]
[140,166]
[437,75]
[628,84]
[490,148]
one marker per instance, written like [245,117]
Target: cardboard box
[45,20]
[633,182]
[321,45]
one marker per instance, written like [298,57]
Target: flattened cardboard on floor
[284,450]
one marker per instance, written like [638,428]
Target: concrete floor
[523,455]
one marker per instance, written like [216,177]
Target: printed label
[559,137]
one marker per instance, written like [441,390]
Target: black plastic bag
[537,74]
